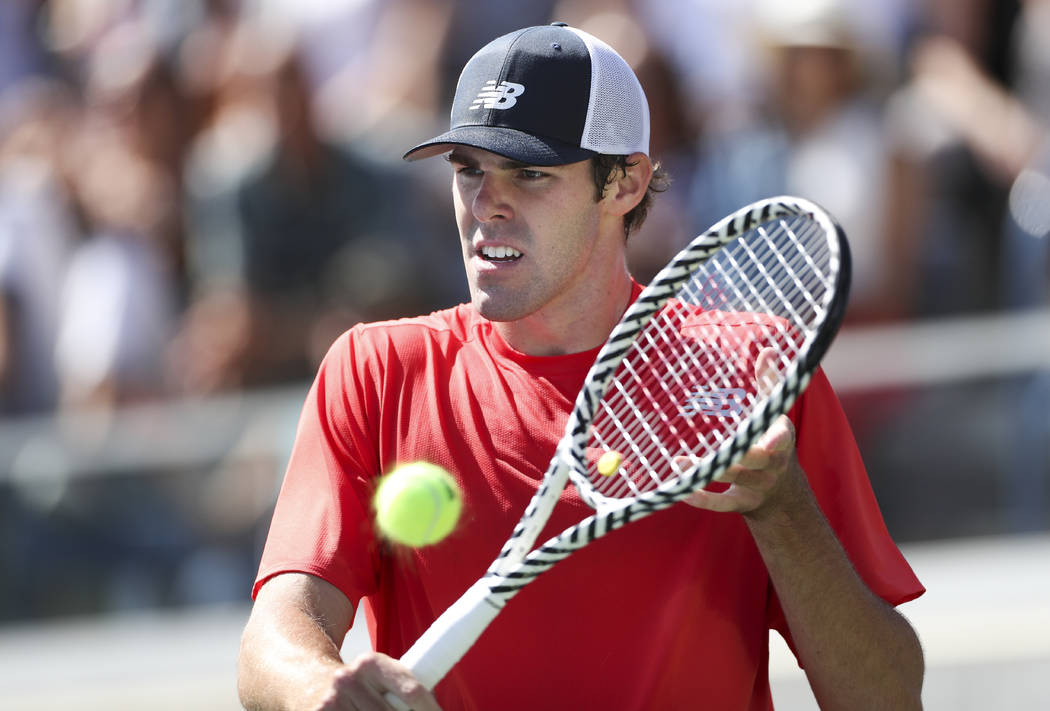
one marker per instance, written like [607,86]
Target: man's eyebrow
[457,157]
[463,159]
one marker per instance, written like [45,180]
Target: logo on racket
[500,97]
[718,402]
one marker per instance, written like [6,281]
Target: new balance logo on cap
[498,97]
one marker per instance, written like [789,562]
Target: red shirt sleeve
[321,523]
[828,454]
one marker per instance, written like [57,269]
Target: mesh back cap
[546,95]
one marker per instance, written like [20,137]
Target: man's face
[528,233]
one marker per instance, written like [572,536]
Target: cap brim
[507,142]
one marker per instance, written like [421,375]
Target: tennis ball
[609,462]
[417,504]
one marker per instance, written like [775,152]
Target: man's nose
[491,201]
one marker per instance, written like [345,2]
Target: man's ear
[625,190]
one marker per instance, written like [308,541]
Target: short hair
[604,167]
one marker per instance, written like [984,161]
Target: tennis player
[550,171]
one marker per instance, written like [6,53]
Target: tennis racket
[722,341]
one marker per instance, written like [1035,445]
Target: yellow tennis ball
[609,462]
[417,504]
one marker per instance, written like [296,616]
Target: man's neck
[580,326]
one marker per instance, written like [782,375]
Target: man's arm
[858,652]
[289,657]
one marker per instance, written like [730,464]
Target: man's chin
[490,312]
[497,309]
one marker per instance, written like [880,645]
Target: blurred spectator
[131,84]
[371,87]
[72,29]
[120,295]
[954,144]
[817,134]
[1026,252]
[1025,269]
[196,58]
[710,44]
[118,298]
[717,50]
[37,230]
[293,238]
[383,95]
[971,167]
[22,54]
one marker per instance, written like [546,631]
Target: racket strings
[690,379]
[775,267]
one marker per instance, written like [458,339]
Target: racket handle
[396,702]
[449,637]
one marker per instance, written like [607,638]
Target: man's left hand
[765,478]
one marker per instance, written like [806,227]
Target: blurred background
[198,196]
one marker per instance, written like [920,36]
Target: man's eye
[529,174]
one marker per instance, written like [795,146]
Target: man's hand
[362,685]
[766,478]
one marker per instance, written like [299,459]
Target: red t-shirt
[669,610]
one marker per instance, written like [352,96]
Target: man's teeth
[500,253]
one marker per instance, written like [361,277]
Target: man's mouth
[499,254]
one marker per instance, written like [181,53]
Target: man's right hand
[363,683]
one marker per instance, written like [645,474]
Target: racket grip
[449,637]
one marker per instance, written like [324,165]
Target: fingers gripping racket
[722,341]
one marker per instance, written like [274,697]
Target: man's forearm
[290,656]
[858,652]
[289,652]
[283,664]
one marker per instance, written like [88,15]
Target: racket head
[722,341]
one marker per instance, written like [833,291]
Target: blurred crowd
[200,195]
[197,196]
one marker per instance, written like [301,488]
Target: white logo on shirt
[717,402]
[500,97]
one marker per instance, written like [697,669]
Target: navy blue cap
[545,95]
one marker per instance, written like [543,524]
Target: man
[671,612]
